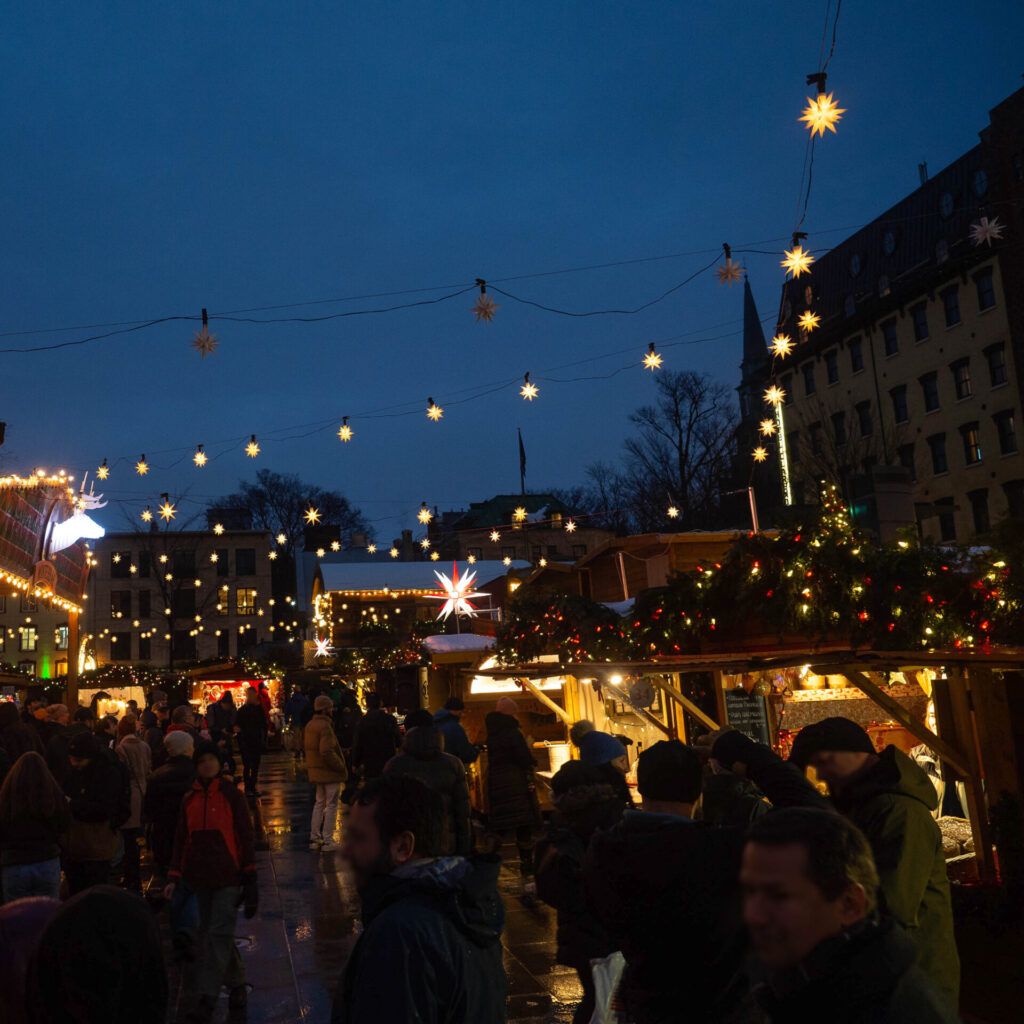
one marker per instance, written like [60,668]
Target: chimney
[922,172]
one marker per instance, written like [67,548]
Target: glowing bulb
[147,516]
[570,527]
[344,431]
[775,395]
[425,543]
[142,467]
[519,515]
[424,515]
[808,321]
[434,411]
[673,512]
[167,511]
[507,560]
[528,391]
[312,516]
[821,114]
[798,261]
[434,556]
[282,539]
[104,471]
[652,361]
[782,345]
[371,549]
[252,449]
[767,427]
[335,545]
[200,458]
[760,454]
[495,536]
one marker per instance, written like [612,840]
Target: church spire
[755,348]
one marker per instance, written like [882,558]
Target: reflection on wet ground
[295,948]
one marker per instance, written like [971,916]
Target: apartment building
[918,360]
[168,597]
[34,636]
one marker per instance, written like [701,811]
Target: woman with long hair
[33,816]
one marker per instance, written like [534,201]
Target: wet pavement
[295,948]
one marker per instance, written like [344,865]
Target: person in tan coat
[326,766]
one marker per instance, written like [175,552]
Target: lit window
[972,443]
[245,601]
[29,638]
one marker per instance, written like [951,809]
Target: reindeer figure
[78,525]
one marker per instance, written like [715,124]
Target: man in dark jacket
[164,792]
[251,723]
[456,741]
[220,722]
[444,917]
[377,739]
[94,788]
[809,897]
[890,799]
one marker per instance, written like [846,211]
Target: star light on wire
[200,458]
[393,552]
[570,527]
[986,231]
[458,592]
[218,529]
[104,471]
[729,272]
[147,516]
[798,260]
[652,361]
[142,467]
[312,515]
[484,307]
[252,449]
[821,114]
[323,647]
[204,342]
[529,391]
[782,345]
[167,510]
[767,427]
[495,536]
[673,512]
[424,515]
[808,321]
[519,515]
[434,411]
[760,454]
[775,395]
[344,431]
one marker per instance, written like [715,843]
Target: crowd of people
[734,892]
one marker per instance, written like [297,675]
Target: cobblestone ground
[295,948]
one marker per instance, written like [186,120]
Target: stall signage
[748,714]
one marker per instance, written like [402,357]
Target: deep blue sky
[162,158]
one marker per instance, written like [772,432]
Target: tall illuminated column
[787,487]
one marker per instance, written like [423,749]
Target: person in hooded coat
[99,959]
[584,803]
[456,742]
[251,723]
[890,799]
[608,757]
[164,792]
[377,738]
[423,759]
[430,950]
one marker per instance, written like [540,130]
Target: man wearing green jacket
[890,799]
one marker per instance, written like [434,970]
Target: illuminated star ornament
[570,527]
[344,431]
[335,545]
[424,515]
[457,593]
[218,528]
[798,261]
[323,647]
[371,549]
[425,543]
[821,114]
[167,510]
[767,427]
[782,345]
[673,512]
[312,516]
[652,361]
[507,560]
[519,515]
[808,321]
[986,231]
[142,467]
[393,552]
[252,449]
[729,272]
[495,536]
[775,395]
[147,516]
[760,454]
[434,411]
[200,458]
[104,471]
[484,307]
[203,341]
[528,391]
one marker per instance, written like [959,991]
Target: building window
[864,418]
[29,606]
[856,355]
[579,550]
[986,290]
[839,427]
[832,366]
[119,565]
[996,356]
[474,552]
[1006,432]
[951,305]
[223,562]
[808,371]
[892,345]
[223,604]
[937,444]
[144,565]
[3,604]
[224,644]
[816,438]
[60,667]
[3,640]
[980,182]
[1014,490]
[120,647]
[552,551]
[183,604]
[508,552]
[900,412]
[145,609]
[183,563]
[184,645]
[850,305]
[793,445]
[29,638]
[930,391]
[61,636]
[919,313]
[535,553]
[245,561]
[883,286]
[947,521]
[972,443]
[979,509]
[962,377]
[245,601]
[145,648]
[906,457]
[787,389]
[27,666]
[120,604]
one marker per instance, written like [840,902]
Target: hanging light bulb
[424,515]
[775,395]
[760,454]
[142,467]
[652,361]
[393,552]
[484,307]
[203,341]
[425,543]
[519,515]
[570,527]
[767,427]
[798,261]
[495,536]
[312,515]
[371,549]
[104,471]
[434,411]
[782,345]
[218,528]
[673,512]
[808,321]
[729,272]
[345,431]
[252,449]
[200,458]
[821,113]
[147,516]
[167,510]
[528,391]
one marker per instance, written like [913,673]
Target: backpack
[123,807]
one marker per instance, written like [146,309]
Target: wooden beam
[678,697]
[646,715]
[907,720]
[545,699]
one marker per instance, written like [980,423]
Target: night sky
[236,155]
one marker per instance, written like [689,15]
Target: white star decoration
[457,593]
[986,231]
[485,307]
[323,647]
[729,272]
[204,342]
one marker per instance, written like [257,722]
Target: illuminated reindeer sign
[78,525]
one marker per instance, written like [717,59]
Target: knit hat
[829,734]
[203,748]
[323,703]
[507,706]
[178,744]
[580,729]
[455,704]
[599,748]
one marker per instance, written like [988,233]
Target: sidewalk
[295,948]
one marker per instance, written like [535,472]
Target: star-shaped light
[142,467]
[507,560]
[214,557]
[133,569]
[393,552]
[272,556]
[808,321]
[200,458]
[760,454]
[282,539]
[543,563]
[147,516]
[169,577]
[457,593]
[425,543]
[729,272]
[485,307]
[767,427]
[434,556]
[252,449]
[218,528]
[371,549]
[167,511]
[519,515]
[529,391]
[424,515]
[775,395]
[335,545]
[471,559]
[782,345]
[652,361]
[104,471]
[312,515]
[821,114]
[323,647]
[345,431]
[434,411]
[673,512]
[570,527]
[163,561]
[204,342]
[495,536]
[798,261]
[116,557]
[987,231]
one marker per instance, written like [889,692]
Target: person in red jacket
[214,856]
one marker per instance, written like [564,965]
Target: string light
[808,321]
[167,510]
[652,361]
[335,545]
[570,527]
[821,114]
[760,454]
[506,560]
[345,431]
[147,516]
[775,395]
[484,307]
[519,515]
[320,552]
[434,556]
[729,272]
[312,516]
[142,467]
[767,427]
[203,341]
[434,411]
[103,471]
[218,528]
[371,549]
[200,457]
[393,552]
[424,515]
[782,345]
[673,512]
[495,536]
[528,391]
[425,543]
[798,261]
[282,539]
[252,449]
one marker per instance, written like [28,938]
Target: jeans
[218,961]
[250,768]
[325,811]
[39,879]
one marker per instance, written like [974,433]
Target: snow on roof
[620,607]
[539,516]
[450,643]
[407,575]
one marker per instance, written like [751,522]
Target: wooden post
[993,720]
[71,686]
[678,697]
[645,715]
[545,699]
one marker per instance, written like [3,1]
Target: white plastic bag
[607,973]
